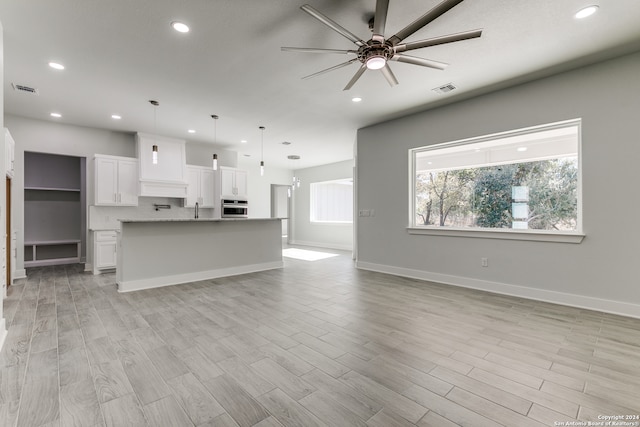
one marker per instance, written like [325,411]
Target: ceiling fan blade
[388,74]
[434,13]
[335,67]
[420,61]
[333,25]
[438,40]
[314,50]
[356,76]
[380,20]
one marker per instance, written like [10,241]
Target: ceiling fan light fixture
[376,62]
[586,12]
[180,27]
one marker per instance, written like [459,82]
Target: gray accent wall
[601,272]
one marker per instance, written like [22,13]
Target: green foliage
[482,197]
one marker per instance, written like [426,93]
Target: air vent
[445,89]
[285,143]
[25,89]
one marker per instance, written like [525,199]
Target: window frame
[498,233]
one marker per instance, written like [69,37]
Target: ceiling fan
[375,53]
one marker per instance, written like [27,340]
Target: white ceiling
[121,53]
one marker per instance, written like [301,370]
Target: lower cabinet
[104,252]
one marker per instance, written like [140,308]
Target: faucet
[197,207]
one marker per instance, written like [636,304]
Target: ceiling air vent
[26,89]
[445,89]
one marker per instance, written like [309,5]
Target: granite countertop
[194,220]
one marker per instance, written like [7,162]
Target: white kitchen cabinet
[116,181]
[9,153]
[200,187]
[233,183]
[168,176]
[104,250]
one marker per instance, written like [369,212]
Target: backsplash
[106,217]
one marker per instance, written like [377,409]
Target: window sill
[536,236]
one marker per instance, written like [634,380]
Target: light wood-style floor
[313,344]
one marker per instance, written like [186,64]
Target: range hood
[162,166]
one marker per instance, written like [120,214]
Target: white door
[193,187]
[241,183]
[227,182]
[105,255]
[128,182]
[206,188]
[106,181]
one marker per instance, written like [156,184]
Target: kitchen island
[160,252]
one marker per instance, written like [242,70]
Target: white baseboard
[322,245]
[573,300]
[20,274]
[3,332]
[157,282]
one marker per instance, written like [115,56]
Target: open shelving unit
[54,209]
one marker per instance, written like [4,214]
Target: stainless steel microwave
[234,208]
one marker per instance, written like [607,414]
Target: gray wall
[600,272]
[337,236]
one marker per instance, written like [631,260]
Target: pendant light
[154,149]
[262,128]
[215,141]
[295,181]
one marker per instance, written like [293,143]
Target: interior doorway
[281,208]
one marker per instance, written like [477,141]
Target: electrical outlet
[484,262]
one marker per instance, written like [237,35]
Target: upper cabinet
[9,153]
[163,167]
[233,183]
[200,187]
[116,181]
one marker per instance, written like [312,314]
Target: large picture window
[332,201]
[527,179]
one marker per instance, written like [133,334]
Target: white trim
[505,234]
[562,298]
[322,245]
[20,274]
[157,282]
[3,332]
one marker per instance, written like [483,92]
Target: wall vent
[445,88]
[26,89]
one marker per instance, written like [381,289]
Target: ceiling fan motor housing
[374,50]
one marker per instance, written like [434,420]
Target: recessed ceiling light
[56,115]
[180,27]
[243,141]
[56,65]
[116,117]
[522,149]
[585,12]
[356,99]
[191,131]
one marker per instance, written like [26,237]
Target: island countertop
[158,252]
[129,220]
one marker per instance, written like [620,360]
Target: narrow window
[332,201]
